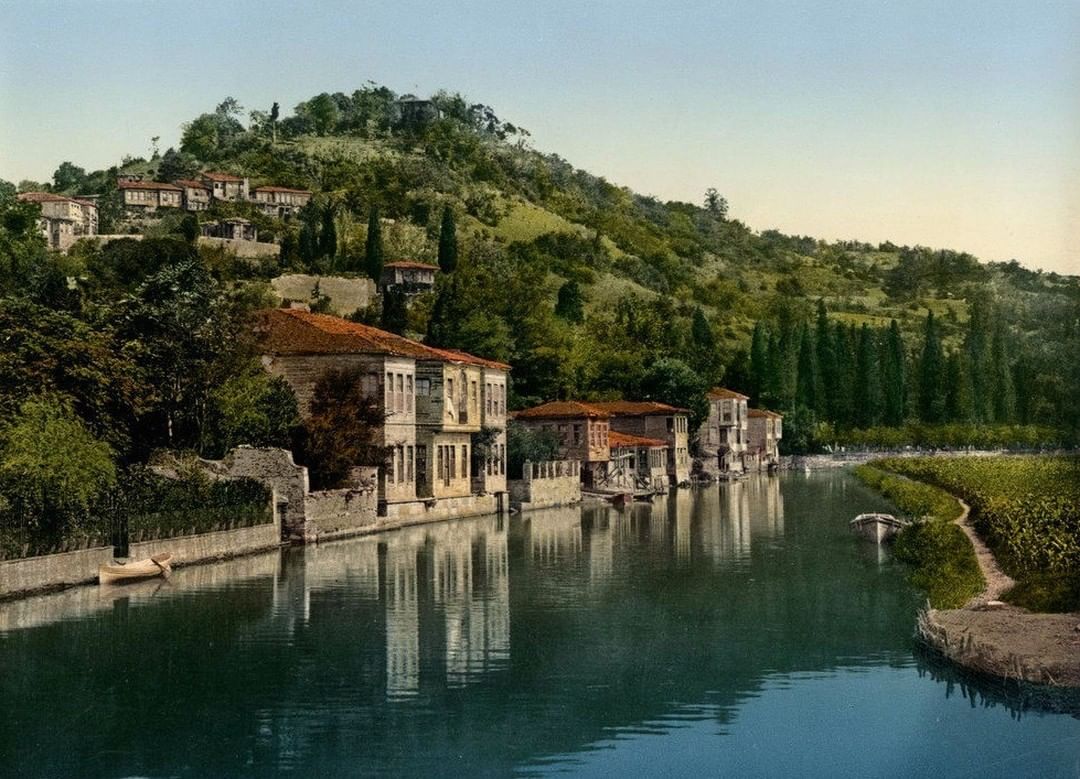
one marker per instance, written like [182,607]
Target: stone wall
[244,249]
[338,513]
[444,508]
[217,545]
[546,484]
[55,570]
[276,469]
[346,295]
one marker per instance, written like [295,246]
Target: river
[737,629]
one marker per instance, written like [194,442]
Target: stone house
[410,276]
[196,195]
[433,400]
[233,229]
[583,432]
[149,196]
[63,219]
[225,186]
[637,463]
[725,434]
[765,430]
[280,202]
[650,419]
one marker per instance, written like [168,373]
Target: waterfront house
[408,275]
[582,430]
[141,197]
[63,219]
[724,436]
[650,419]
[765,431]
[225,186]
[637,463]
[280,202]
[435,403]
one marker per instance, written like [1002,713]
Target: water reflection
[485,644]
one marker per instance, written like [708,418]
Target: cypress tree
[759,363]
[845,376]
[806,380]
[448,242]
[894,380]
[772,393]
[1000,377]
[826,363]
[328,234]
[1022,375]
[373,252]
[931,375]
[958,407]
[569,304]
[976,344]
[867,379]
[395,310]
[309,240]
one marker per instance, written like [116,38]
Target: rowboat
[877,527]
[158,565]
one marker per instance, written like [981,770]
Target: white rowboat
[158,565]
[877,527]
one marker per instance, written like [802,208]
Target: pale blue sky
[943,123]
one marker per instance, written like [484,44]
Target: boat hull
[158,565]
[878,528]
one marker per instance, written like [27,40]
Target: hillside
[533,229]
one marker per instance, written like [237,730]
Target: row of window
[496,462]
[677,425]
[402,461]
[447,464]
[399,392]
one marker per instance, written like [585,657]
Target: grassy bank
[1028,511]
[942,559]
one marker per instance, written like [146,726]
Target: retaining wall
[54,570]
[443,508]
[546,484]
[338,513]
[216,545]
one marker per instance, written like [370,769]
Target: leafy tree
[674,382]
[931,375]
[254,408]
[342,429]
[7,190]
[176,165]
[321,112]
[715,203]
[569,304]
[448,248]
[328,242]
[373,249]
[52,468]
[69,178]
[526,445]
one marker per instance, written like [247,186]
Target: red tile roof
[154,185]
[558,409]
[41,197]
[294,331]
[282,189]
[722,393]
[409,264]
[625,440]
[764,412]
[190,184]
[213,176]
[638,408]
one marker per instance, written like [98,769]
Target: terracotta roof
[190,184]
[82,202]
[147,185]
[41,197]
[638,408]
[213,176]
[409,264]
[294,331]
[764,412]
[722,393]
[558,409]
[617,439]
[282,189]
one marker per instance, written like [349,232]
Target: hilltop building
[445,410]
[410,276]
[63,219]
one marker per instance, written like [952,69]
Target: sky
[947,124]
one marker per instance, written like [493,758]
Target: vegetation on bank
[942,558]
[1027,508]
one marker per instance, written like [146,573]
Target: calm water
[737,629]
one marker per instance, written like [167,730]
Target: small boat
[877,527]
[158,565]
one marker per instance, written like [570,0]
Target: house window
[450,389]
[472,395]
[401,392]
[502,459]
[453,462]
[423,387]
[409,464]
[577,434]
[389,390]
[400,462]
[409,405]
[488,400]
[671,424]
[464,461]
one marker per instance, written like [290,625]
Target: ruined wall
[346,295]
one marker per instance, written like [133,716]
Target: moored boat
[157,565]
[877,527]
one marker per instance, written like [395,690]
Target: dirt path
[997,581]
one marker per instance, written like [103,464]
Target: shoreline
[994,638]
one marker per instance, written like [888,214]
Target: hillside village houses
[445,410]
[197,194]
[64,219]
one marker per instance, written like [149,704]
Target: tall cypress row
[448,248]
[931,375]
[845,375]
[1000,377]
[806,379]
[958,405]
[894,382]
[826,363]
[976,344]
[866,379]
[373,252]
[759,364]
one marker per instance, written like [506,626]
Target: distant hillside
[535,230]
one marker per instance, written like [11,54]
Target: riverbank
[991,637]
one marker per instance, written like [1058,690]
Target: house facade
[583,434]
[234,229]
[64,220]
[225,186]
[638,463]
[650,419]
[141,197]
[433,401]
[765,430]
[723,439]
[280,202]
[411,276]
[196,195]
